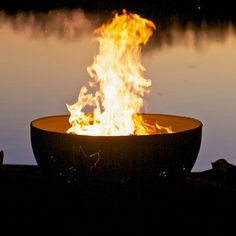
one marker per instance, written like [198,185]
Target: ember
[117,74]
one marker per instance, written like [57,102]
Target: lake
[43,61]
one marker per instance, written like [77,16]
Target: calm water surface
[43,60]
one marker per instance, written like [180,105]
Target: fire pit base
[100,161]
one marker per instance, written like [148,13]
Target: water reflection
[43,64]
[198,35]
[68,25]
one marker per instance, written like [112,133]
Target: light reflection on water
[43,64]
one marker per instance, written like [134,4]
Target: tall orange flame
[117,73]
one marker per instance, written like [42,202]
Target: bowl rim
[199,126]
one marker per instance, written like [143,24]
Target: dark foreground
[203,204]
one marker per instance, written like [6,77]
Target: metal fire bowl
[116,159]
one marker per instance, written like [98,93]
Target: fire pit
[115,142]
[79,158]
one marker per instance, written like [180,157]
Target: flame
[117,75]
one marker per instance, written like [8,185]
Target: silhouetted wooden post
[1,157]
